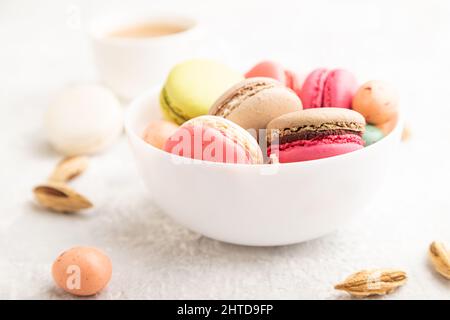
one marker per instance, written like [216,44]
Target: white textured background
[43,47]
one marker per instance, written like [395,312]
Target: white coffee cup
[130,65]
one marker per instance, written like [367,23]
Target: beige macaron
[254,102]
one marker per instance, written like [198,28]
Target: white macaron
[83,119]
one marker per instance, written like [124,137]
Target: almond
[373,282]
[440,258]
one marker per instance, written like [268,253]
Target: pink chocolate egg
[82,271]
[157,132]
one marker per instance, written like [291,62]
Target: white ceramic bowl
[260,205]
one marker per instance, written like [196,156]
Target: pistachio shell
[69,168]
[61,198]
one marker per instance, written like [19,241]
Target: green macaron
[372,134]
[193,86]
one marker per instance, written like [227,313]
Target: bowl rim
[136,104]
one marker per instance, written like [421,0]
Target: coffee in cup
[147,30]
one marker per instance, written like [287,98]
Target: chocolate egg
[157,132]
[377,101]
[82,271]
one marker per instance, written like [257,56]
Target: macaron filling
[313,135]
[179,115]
[309,132]
[330,139]
[232,102]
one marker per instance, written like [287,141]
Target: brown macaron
[313,123]
[254,102]
[315,134]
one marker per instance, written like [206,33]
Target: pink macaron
[328,88]
[274,70]
[314,134]
[215,139]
